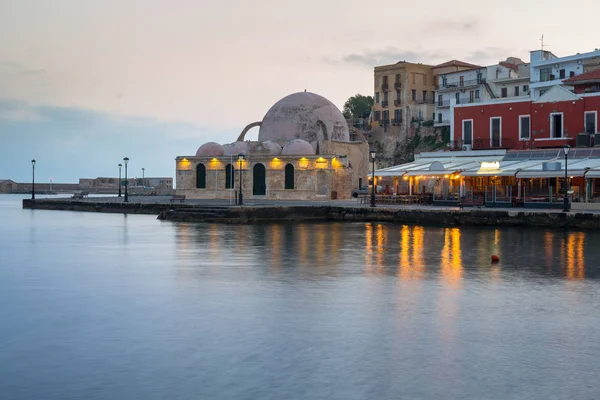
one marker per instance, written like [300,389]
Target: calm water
[102,306]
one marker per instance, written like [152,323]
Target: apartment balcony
[442,104]
[397,85]
[458,85]
[427,100]
[396,121]
[468,100]
[385,87]
[397,103]
[384,103]
[444,122]
[384,122]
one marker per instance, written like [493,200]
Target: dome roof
[239,147]
[298,147]
[274,148]
[228,149]
[210,149]
[306,116]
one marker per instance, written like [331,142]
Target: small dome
[210,149]
[237,148]
[298,147]
[274,148]
[228,149]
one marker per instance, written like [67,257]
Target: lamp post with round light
[241,159]
[120,183]
[32,179]
[567,206]
[125,161]
[372,153]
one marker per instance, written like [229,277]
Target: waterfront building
[155,185]
[547,70]
[7,185]
[304,151]
[475,84]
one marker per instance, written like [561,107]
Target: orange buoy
[495,258]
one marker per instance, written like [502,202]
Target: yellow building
[303,152]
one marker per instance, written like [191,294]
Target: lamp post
[241,159]
[120,183]
[32,179]
[143,170]
[567,206]
[372,153]
[125,161]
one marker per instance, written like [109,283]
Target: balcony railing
[385,87]
[427,100]
[442,104]
[442,122]
[396,103]
[468,100]
[384,122]
[396,121]
[458,85]
[485,144]
[397,85]
[384,103]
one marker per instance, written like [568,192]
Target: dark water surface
[107,306]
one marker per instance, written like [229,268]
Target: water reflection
[451,259]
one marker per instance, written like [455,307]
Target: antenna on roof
[542,40]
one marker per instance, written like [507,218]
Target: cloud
[490,55]
[71,143]
[390,55]
[20,69]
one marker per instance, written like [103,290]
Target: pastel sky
[84,83]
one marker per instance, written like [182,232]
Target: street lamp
[241,159]
[372,153]
[120,165]
[125,161]
[567,206]
[143,170]
[33,180]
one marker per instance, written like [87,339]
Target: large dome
[210,149]
[306,116]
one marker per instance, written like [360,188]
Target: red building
[558,117]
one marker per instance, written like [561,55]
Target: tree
[358,106]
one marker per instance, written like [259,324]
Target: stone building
[303,152]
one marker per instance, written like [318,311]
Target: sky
[85,83]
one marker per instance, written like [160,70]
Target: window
[440,100]
[591,122]
[562,74]
[471,96]
[385,96]
[398,78]
[386,117]
[444,81]
[398,96]
[229,172]
[377,97]
[479,77]
[398,115]
[542,91]
[289,176]
[462,81]
[467,131]
[495,132]
[525,88]
[385,80]
[424,96]
[545,74]
[457,97]
[524,127]
[556,125]
[414,95]
[476,93]
[440,118]
[377,115]
[200,176]
[571,74]
[516,90]
[504,92]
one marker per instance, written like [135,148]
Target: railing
[385,87]
[442,122]
[453,85]
[397,85]
[396,103]
[384,122]
[384,103]
[443,103]
[427,100]
[468,100]
[396,121]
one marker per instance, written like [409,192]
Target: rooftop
[591,76]
[456,63]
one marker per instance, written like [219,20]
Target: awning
[549,174]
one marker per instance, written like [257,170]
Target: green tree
[358,106]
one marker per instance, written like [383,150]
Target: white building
[507,79]
[548,70]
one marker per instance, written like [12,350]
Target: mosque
[304,152]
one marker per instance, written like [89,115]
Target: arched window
[289,176]
[229,176]
[200,176]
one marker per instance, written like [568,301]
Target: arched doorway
[200,176]
[259,180]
